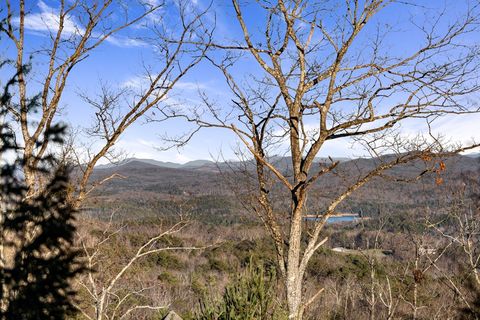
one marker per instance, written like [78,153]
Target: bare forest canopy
[152,186]
[390,87]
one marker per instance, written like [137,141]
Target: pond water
[336,219]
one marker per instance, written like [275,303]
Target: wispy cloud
[176,98]
[143,82]
[155,17]
[47,21]
[149,149]
[136,83]
[193,86]
[126,42]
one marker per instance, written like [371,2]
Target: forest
[239,160]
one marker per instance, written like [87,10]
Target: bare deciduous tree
[107,292]
[74,30]
[459,226]
[316,78]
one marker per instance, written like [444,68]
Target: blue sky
[119,62]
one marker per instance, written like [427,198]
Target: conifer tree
[37,260]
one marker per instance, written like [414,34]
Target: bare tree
[459,226]
[74,30]
[316,78]
[108,292]
[388,300]
[371,256]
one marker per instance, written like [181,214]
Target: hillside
[213,190]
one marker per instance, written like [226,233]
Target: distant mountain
[282,162]
[197,163]
[211,191]
[325,159]
[473,155]
[163,164]
[148,185]
[143,172]
[161,178]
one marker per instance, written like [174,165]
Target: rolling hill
[153,187]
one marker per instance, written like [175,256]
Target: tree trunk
[99,307]
[294,294]
[294,273]
[29,168]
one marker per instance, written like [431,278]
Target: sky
[119,62]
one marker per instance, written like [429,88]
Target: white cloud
[47,21]
[149,149]
[136,82]
[126,42]
[174,98]
[143,82]
[461,128]
[185,85]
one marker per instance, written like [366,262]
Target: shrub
[250,296]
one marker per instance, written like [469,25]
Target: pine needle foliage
[37,259]
[252,295]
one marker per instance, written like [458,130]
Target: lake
[336,219]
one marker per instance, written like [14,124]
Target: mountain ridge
[195,164]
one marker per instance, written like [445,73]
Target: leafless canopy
[322,72]
[73,30]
